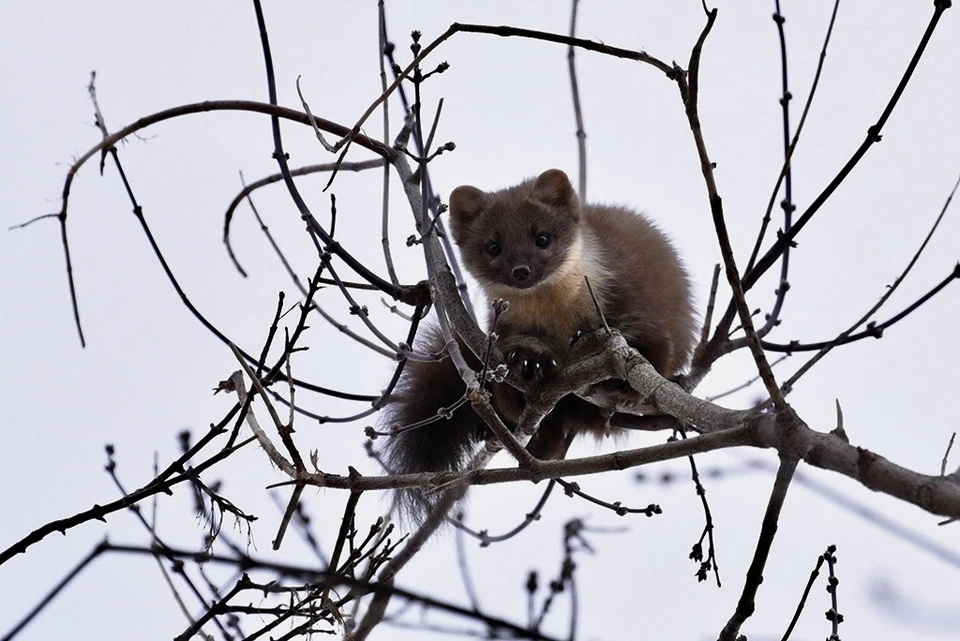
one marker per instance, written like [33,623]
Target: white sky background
[149,366]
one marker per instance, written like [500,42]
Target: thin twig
[247,190]
[316,230]
[52,594]
[689,95]
[700,352]
[163,483]
[288,513]
[434,202]
[773,318]
[138,213]
[873,330]
[534,515]
[502,31]
[462,562]
[833,614]
[239,387]
[577,113]
[803,598]
[747,604]
[573,489]
[346,524]
[872,137]
[793,143]
[789,383]
[385,215]
[946,455]
[746,383]
[721,334]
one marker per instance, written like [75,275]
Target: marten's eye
[493,248]
[542,240]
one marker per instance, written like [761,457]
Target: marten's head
[518,238]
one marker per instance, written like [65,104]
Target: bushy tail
[425,391]
[428,391]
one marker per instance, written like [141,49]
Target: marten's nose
[521,273]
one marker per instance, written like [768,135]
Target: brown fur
[532,245]
[635,272]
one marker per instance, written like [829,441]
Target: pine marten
[532,245]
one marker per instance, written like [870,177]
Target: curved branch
[873,136]
[752,275]
[504,32]
[874,330]
[200,107]
[269,180]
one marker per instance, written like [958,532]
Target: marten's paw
[530,358]
[530,365]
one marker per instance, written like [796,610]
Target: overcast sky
[149,366]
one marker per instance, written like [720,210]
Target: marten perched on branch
[532,245]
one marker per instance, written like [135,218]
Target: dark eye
[542,240]
[493,248]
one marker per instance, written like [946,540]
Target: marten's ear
[553,188]
[466,203]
